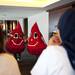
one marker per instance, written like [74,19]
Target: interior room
[45,13]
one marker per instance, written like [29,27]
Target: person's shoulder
[8,65]
[54,49]
[7,56]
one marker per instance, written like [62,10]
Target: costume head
[36,43]
[67,33]
[15,43]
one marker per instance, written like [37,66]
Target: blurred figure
[59,59]
[8,64]
[1,38]
[55,39]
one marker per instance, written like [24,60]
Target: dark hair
[66,27]
[63,15]
[1,40]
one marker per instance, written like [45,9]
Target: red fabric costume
[36,43]
[15,43]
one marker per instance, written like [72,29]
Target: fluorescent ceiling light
[30,0]
[24,0]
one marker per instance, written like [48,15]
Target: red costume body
[36,43]
[15,43]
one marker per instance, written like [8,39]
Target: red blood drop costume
[36,43]
[15,43]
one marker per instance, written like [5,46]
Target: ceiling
[28,3]
[10,10]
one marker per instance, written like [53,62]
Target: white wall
[42,21]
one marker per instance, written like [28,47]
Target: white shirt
[53,61]
[8,65]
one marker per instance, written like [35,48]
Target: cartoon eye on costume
[16,35]
[35,35]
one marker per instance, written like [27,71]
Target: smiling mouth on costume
[16,43]
[33,44]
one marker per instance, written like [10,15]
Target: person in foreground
[8,64]
[59,59]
